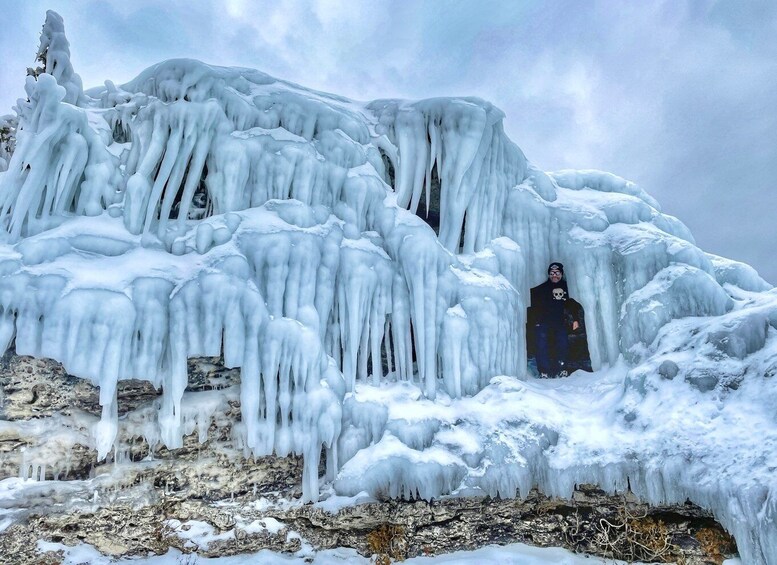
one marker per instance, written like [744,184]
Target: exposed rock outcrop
[207,497]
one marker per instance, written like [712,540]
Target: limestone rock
[146,498]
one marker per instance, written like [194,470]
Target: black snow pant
[552,348]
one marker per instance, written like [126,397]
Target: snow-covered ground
[515,554]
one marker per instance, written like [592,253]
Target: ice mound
[207,211]
[655,432]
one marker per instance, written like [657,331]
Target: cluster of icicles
[203,211]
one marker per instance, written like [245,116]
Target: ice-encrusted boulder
[208,211]
[675,292]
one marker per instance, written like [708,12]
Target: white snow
[197,534]
[206,211]
[269,524]
[515,554]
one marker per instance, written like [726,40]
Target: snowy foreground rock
[200,211]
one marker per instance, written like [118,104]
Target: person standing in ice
[549,316]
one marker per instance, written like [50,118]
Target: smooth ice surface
[209,211]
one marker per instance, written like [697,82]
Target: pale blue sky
[678,96]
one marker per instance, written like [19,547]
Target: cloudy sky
[678,96]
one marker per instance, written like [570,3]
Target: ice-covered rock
[675,292]
[54,53]
[737,274]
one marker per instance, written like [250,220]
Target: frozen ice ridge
[208,211]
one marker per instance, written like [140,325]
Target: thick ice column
[356,287]
[456,363]
[304,264]
[326,277]
[115,357]
[528,222]
[481,172]
[512,266]
[54,50]
[364,288]
[320,424]
[175,380]
[363,195]
[90,332]
[60,164]
[294,258]
[269,257]
[465,135]
[410,128]
[297,408]
[421,260]
[230,166]
[7,328]
[475,162]
[251,393]
[31,301]
[186,338]
[495,319]
[379,309]
[593,282]
[265,440]
[400,328]
[150,336]
[166,161]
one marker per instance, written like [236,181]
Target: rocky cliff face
[209,498]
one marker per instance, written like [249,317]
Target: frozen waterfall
[206,211]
